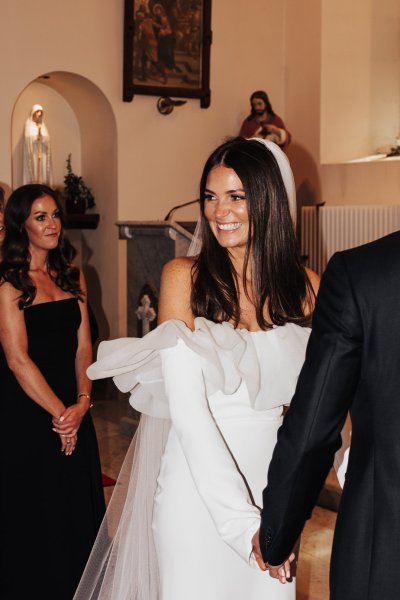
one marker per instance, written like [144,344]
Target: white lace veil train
[123,562]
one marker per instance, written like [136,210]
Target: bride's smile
[225,207]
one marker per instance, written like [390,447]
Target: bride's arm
[215,475]
[175,291]
[212,467]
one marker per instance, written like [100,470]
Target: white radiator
[327,229]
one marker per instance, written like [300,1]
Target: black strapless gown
[51,504]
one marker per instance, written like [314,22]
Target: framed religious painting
[167,49]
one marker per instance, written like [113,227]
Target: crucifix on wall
[146,311]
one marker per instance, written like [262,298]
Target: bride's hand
[257,552]
[281,572]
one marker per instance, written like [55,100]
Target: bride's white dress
[222,391]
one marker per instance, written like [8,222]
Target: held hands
[68,444]
[281,572]
[67,426]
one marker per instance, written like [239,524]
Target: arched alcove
[61,122]
[81,121]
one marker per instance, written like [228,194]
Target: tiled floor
[313,564]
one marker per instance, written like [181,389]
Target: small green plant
[75,189]
[395,151]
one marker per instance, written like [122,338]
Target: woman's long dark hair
[14,267]
[279,280]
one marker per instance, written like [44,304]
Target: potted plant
[78,197]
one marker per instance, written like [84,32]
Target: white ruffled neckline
[267,364]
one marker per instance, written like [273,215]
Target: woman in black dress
[51,496]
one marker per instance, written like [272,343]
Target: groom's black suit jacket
[352,363]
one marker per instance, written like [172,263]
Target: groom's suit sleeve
[310,434]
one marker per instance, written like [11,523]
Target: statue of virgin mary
[37,154]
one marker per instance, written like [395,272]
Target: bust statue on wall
[37,155]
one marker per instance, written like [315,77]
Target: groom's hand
[281,572]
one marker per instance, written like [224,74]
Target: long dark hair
[262,96]
[279,280]
[14,267]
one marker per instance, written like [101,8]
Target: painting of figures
[167,48]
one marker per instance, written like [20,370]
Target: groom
[352,363]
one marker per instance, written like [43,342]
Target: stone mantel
[150,244]
[170,229]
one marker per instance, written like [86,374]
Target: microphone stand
[174,208]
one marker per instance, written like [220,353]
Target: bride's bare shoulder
[180,266]
[175,290]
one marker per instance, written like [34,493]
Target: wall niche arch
[80,121]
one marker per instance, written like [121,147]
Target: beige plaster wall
[303,69]
[140,163]
[163,155]
[331,107]
[345,80]
[360,78]
[153,161]
[360,100]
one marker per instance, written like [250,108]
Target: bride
[211,382]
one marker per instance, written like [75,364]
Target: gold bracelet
[91,404]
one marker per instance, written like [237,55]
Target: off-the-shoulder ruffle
[228,357]
[135,364]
